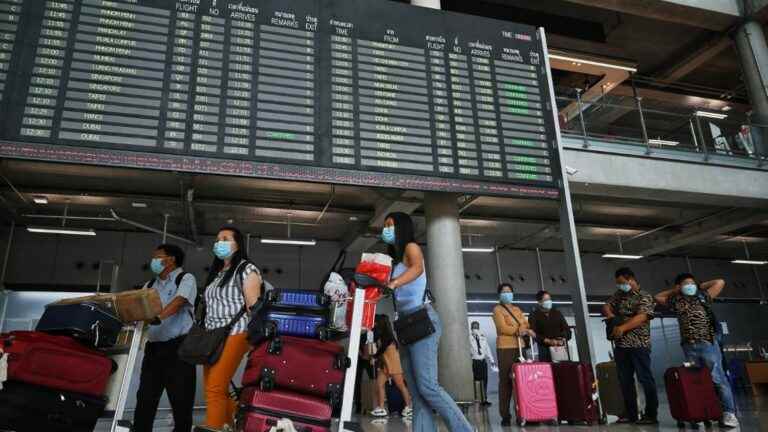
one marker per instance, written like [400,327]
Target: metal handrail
[727,137]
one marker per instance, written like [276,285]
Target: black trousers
[162,370]
[480,372]
[631,362]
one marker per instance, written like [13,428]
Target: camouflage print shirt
[627,305]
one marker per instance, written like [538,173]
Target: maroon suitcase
[691,394]
[56,362]
[259,411]
[301,365]
[576,392]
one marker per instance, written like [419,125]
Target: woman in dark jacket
[549,325]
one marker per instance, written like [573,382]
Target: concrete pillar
[445,272]
[753,50]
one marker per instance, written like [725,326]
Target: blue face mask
[546,304]
[507,297]
[222,249]
[388,235]
[689,289]
[625,287]
[157,266]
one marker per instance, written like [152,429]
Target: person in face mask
[634,309]
[700,331]
[234,284]
[161,369]
[511,327]
[481,358]
[549,324]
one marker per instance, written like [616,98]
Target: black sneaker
[647,421]
[507,422]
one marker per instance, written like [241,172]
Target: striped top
[223,303]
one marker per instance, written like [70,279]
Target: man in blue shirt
[162,369]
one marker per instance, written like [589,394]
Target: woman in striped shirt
[233,286]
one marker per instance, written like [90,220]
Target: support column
[753,50]
[445,272]
[570,241]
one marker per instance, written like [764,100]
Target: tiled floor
[753,414]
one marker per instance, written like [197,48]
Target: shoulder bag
[526,342]
[415,326]
[204,346]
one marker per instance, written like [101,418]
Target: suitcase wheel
[342,362]
[680,425]
[270,329]
[267,383]
[334,395]
[708,423]
[275,346]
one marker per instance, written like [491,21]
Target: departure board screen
[366,92]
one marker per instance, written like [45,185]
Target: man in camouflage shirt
[699,330]
[633,308]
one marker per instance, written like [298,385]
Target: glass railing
[628,120]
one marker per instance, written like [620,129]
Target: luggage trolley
[120,383]
[353,352]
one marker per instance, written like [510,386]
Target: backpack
[179,278]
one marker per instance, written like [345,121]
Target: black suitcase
[29,408]
[91,323]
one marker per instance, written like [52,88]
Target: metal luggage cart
[128,346]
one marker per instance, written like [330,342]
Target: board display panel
[365,92]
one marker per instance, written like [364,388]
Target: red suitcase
[691,394]
[56,362]
[259,411]
[576,392]
[302,365]
[534,386]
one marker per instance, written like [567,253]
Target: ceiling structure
[681,60]
[197,205]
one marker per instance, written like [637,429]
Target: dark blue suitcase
[279,323]
[297,299]
[91,323]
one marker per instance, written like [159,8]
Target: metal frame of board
[568,233]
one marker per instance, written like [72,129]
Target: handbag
[559,353]
[415,326]
[204,346]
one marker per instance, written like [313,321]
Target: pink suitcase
[260,411]
[535,397]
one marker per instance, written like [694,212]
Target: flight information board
[365,92]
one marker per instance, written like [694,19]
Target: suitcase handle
[534,349]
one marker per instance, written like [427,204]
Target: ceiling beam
[700,232]
[716,15]
[359,237]
[693,60]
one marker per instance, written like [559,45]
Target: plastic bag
[336,290]
[375,265]
[3,368]
[283,425]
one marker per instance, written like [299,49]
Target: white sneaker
[379,412]
[407,412]
[729,420]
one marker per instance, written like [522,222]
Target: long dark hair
[239,256]
[383,331]
[404,234]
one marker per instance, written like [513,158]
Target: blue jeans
[709,355]
[631,362]
[420,367]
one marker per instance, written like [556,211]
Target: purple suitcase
[297,299]
[284,323]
